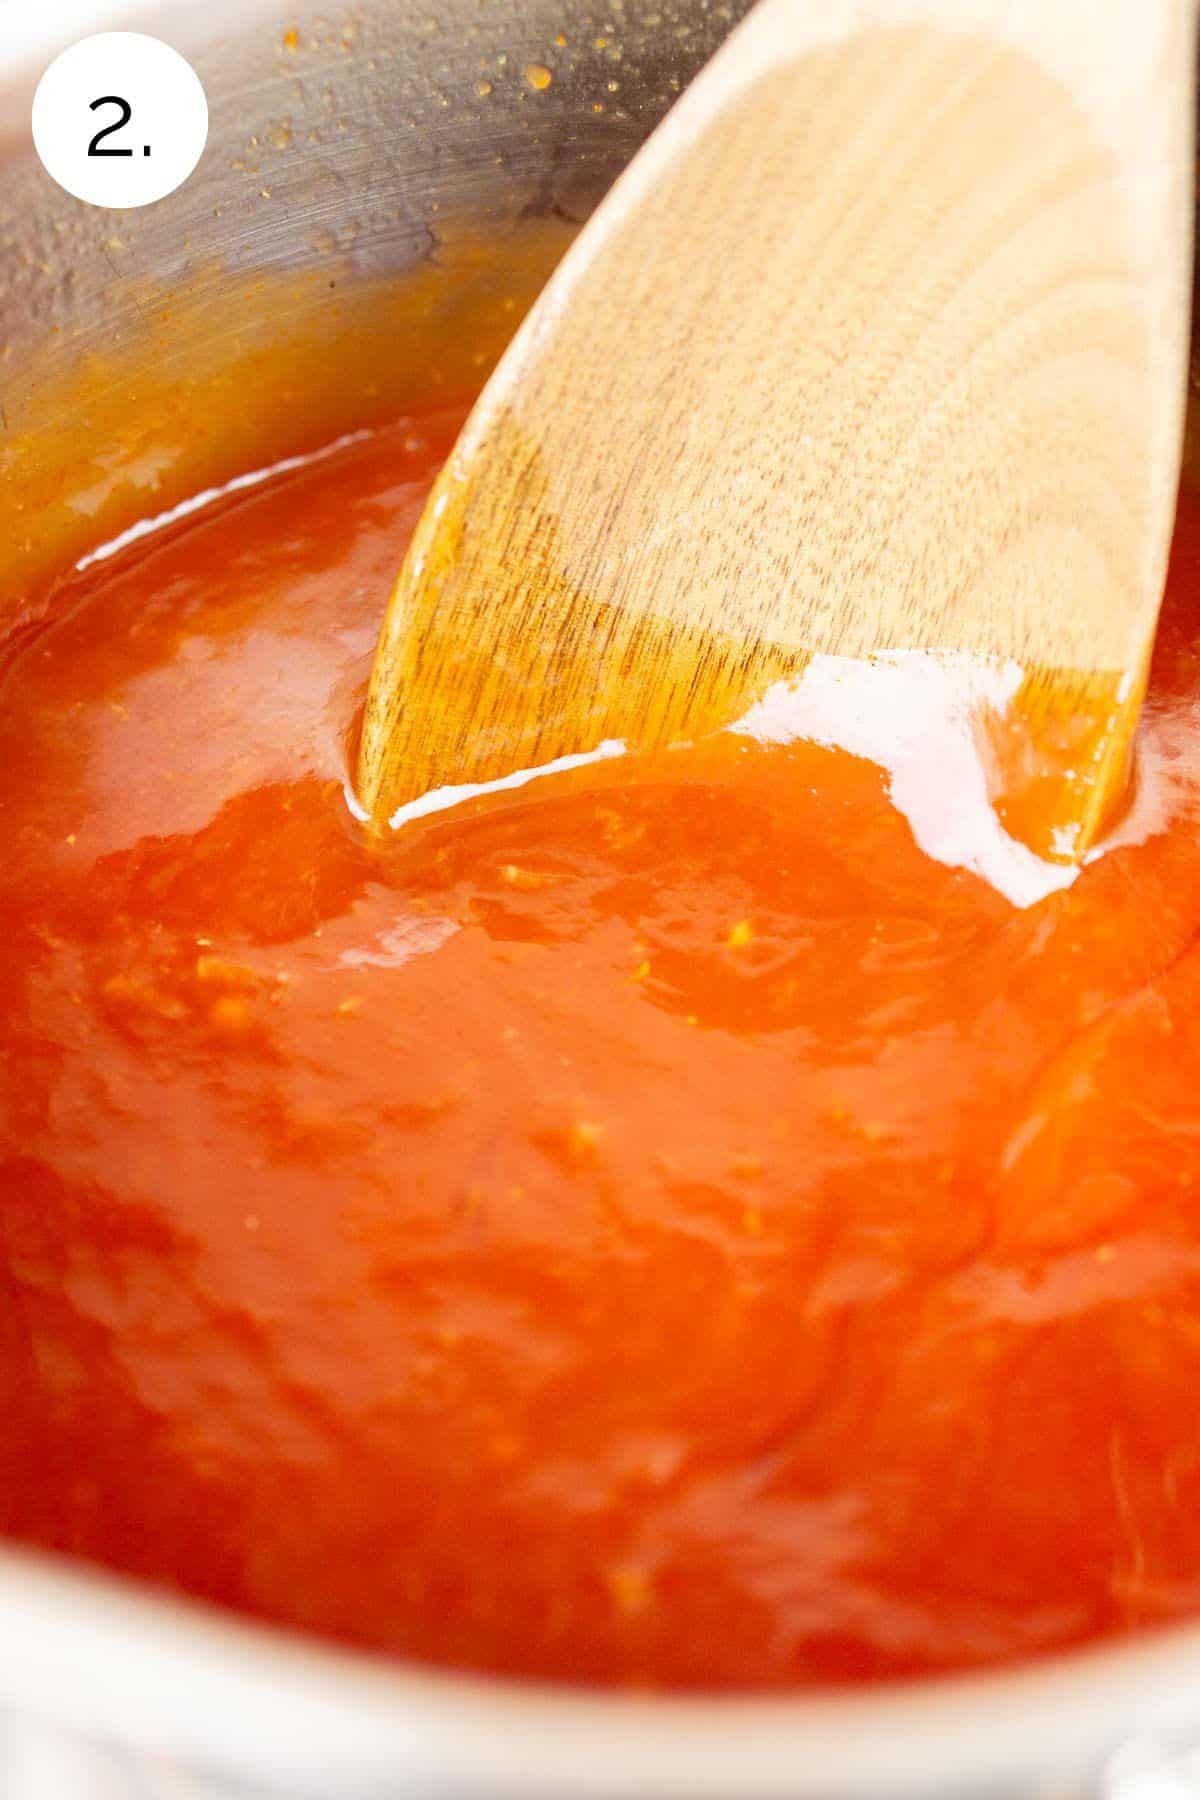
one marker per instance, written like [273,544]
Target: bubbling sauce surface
[654,1228]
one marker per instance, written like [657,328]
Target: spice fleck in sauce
[656,1227]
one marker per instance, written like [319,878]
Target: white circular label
[120,119]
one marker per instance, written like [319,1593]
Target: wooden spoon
[878,346]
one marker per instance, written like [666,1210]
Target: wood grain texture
[879,344]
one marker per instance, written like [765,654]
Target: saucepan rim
[111,1658]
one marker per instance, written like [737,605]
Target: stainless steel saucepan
[108,1690]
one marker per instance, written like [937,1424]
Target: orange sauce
[657,1227]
